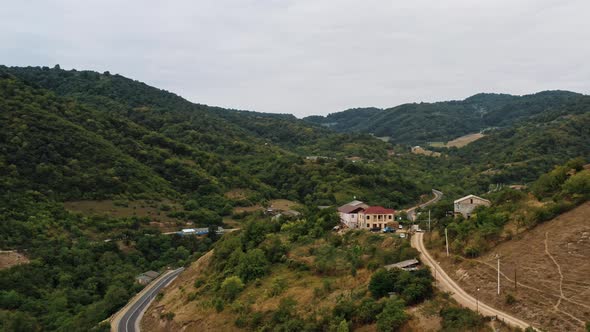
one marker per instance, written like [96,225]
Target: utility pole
[447,240]
[498,257]
[477,300]
[429,221]
[515,283]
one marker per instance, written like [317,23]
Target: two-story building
[349,213]
[376,217]
[466,205]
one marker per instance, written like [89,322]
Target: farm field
[552,265]
[460,142]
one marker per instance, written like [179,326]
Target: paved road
[447,284]
[412,211]
[127,320]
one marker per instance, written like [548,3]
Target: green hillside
[442,121]
[84,136]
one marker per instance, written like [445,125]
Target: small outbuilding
[407,265]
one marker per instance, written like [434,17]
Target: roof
[378,210]
[350,208]
[471,196]
[403,264]
[151,274]
[356,203]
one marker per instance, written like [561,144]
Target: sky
[308,57]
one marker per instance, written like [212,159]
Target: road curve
[445,283]
[127,320]
[411,212]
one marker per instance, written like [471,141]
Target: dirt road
[445,283]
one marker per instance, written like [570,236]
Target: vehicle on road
[402,235]
[376,230]
[388,230]
[400,227]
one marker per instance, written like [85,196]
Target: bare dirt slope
[552,264]
[11,258]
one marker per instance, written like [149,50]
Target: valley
[99,172]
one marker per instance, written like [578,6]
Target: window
[368,217]
[390,217]
[471,201]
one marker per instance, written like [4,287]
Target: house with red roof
[376,217]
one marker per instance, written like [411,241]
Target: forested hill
[83,135]
[421,123]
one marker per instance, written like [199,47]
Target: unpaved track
[447,284]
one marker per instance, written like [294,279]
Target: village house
[376,217]
[349,213]
[465,206]
[357,214]
[146,277]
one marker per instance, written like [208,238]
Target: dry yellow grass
[460,142]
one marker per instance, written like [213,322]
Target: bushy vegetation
[443,121]
[82,135]
[555,192]
[460,319]
[74,281]
[306,247]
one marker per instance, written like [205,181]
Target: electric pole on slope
[447,241]
[498,257]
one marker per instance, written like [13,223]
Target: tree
[382,282]
[343,326]
[393,316]
[252,265]
[231,287]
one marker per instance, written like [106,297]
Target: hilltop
[422,123]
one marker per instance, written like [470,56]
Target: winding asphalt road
[127,320]
[412,211]
[447,284]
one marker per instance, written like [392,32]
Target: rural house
[349,213]
[146,277]
[376,217]
[465,206]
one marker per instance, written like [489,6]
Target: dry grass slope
[552,266]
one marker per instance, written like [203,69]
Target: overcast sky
[310,56]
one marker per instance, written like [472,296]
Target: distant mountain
[421,123]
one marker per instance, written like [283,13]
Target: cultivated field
[460,142]
[552,266]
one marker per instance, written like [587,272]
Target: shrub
[460,319]
[393,315]
[167,316]
[218,304]
[231,287]
[510,299]
[277,287]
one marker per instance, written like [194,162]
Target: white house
[349,213]
[465,206]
